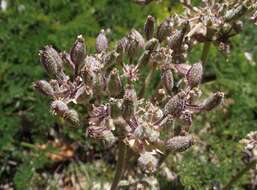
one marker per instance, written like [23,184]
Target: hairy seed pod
[186,118]
[212,102]
[167,80]
[101,42]
[52,61]
[175,105]
[179,143]
[149,27]
[132,48]
[147,162]
[235,13]
[164,30]
[44,87]
[195,74]
[83,95]
[114,85]
[152,44]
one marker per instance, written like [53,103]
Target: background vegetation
[25,121]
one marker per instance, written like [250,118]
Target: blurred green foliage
[28,25]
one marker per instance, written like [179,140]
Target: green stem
[147,82]
[121,164]
[235,178]
[205,51]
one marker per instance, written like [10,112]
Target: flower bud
[83,95]
[122,44]
[152,44]
[182,69]
[67,59]
[134,34]
[129,103]
[212,102]
[164,30]
[167,80]
[101,42]
[149,27]
[179,143]
[114,85]
[52,62]
[175,105]
[100,84]
[77,52]
[72,117]
[148,162]
[110,59]
[88,75]
[195,74]
[44,87]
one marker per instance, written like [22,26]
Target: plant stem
[235,178]
[121,164]
[148,79]
[205,52]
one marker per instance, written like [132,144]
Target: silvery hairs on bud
[213,101]
[78,52]
[179,143]
[101,42]
[149,27]
[44,87]
[195,74]
[52,62]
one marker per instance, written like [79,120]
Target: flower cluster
[112,85]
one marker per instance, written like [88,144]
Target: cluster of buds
[104,82]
